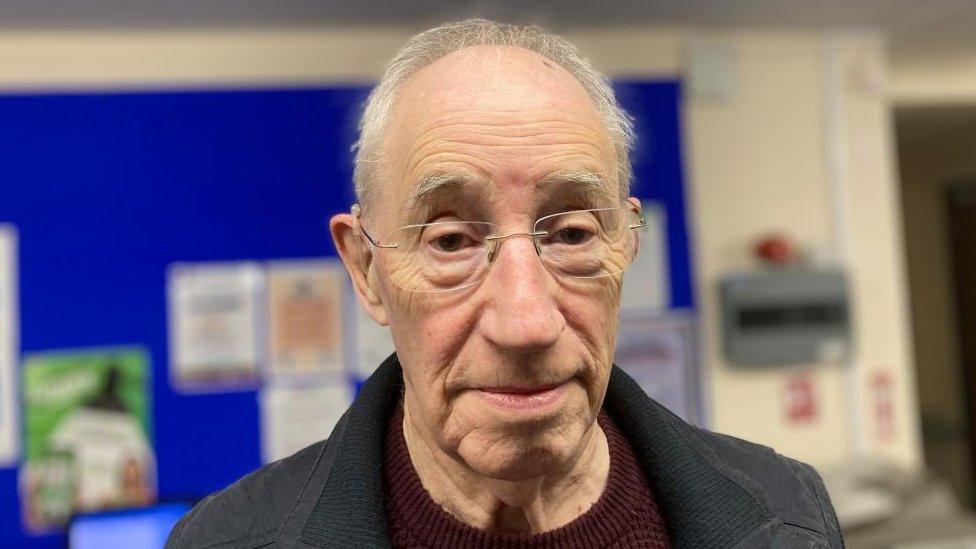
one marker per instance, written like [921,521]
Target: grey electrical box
[785,317]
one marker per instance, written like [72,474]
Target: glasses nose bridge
[497,241]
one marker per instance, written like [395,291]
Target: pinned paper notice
[8,345]
[87,434]
[647,283]
[293,417]
[883,404]
[658,351]
[214,321]
[800,399]
[374,343]
[305,317]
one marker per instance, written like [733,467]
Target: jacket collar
[702,505]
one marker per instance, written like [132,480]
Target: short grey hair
[429,46]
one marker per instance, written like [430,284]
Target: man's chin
[514,461]
[525,447]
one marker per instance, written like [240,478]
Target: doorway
[962,227]
[937,164]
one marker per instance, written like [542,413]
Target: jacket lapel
[350,510]
[702,505]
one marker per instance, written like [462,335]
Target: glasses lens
[588,243]
[435,257]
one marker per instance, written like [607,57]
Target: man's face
[508,375]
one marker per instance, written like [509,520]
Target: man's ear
[358,258]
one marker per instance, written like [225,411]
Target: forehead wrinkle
[508,128]
[474,137]
[439,152]
[488,127]
[426,120]
[482,144]
[505,117]
[478,151]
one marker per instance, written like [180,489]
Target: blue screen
[136,529]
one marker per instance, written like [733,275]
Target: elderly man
[493,228]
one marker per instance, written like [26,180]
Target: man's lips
[523,398]
[521,390]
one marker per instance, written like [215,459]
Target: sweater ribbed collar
[625,510]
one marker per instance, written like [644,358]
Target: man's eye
[573,236]
[452,242]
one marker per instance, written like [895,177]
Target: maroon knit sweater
[626,515]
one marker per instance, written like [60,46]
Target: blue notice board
[107,189]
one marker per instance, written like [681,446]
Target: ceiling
[915,27]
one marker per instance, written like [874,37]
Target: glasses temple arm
[357,212]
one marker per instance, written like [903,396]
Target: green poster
[88,434]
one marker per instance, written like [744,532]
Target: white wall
[793,144]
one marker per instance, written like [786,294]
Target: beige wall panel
[757,164]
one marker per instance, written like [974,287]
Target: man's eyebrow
[591,182]
[435,182]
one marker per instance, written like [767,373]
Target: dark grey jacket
[714,490]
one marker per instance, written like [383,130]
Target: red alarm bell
[776,249]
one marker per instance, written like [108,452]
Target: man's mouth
[524,398]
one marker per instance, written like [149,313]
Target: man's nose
[521,312]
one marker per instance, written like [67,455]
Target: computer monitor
[145,528]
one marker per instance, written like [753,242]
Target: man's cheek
[446,327]
[594,320]
[408,305]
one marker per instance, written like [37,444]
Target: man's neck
[530,505]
